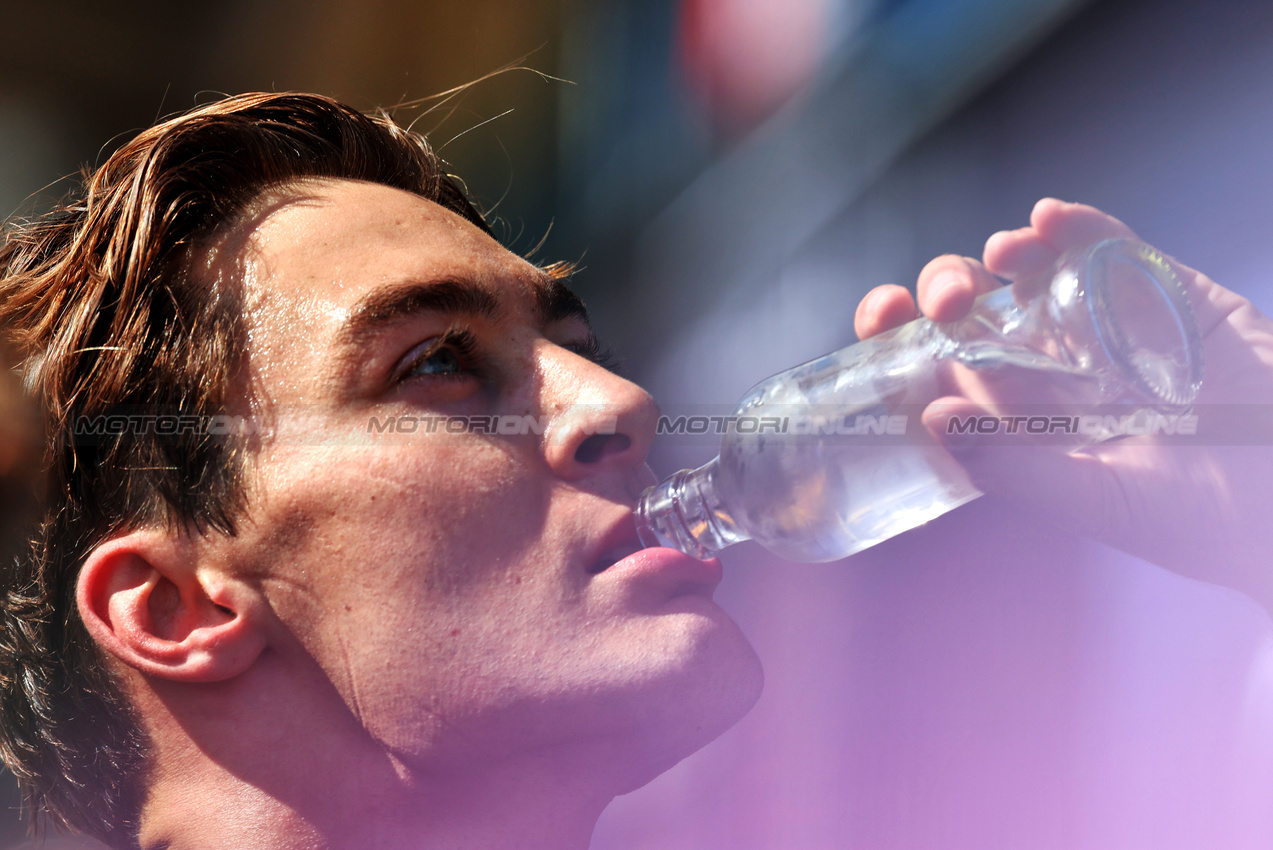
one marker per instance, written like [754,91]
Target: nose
[600,421]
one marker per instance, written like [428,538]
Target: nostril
[594,448]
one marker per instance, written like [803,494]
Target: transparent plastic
[831,457]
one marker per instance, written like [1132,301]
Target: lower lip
[671,567]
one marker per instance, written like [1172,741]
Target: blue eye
[440,362]
[452,355]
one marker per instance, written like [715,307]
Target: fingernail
[869,309]
[945,280]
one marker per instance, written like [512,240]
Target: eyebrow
[385,306]
[554,302]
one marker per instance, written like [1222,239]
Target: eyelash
[461,343]
[464,346]
[592,349]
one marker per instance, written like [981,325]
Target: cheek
[410,573]
[409,526]
[467,515]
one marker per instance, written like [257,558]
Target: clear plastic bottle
[831,457]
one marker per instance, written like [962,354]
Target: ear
[146,598]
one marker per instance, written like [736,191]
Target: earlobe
[145,598]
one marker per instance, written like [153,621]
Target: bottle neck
[685,513]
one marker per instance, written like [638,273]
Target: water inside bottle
[823,497]
[827,493]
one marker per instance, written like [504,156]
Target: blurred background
[733,175]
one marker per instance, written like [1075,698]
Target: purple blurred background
[735,175]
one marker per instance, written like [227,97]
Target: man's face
[459,590]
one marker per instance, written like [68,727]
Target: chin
[619,711]
[694,702]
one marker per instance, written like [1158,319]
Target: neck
[232,770]
[533,806]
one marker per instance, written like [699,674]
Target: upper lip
[618,543]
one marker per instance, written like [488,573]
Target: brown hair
[103,312]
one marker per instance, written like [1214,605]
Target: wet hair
[101,307]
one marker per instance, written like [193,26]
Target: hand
[1201,509]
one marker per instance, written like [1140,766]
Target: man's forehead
[359,225]
[336,263]
[363,246]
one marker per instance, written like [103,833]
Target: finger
[1019,253]
[1081,494]
[938,416]
[1056,226]
[1067,226]
[884,307]
[948,285]
[1076,495]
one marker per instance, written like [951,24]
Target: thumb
[1077,492]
